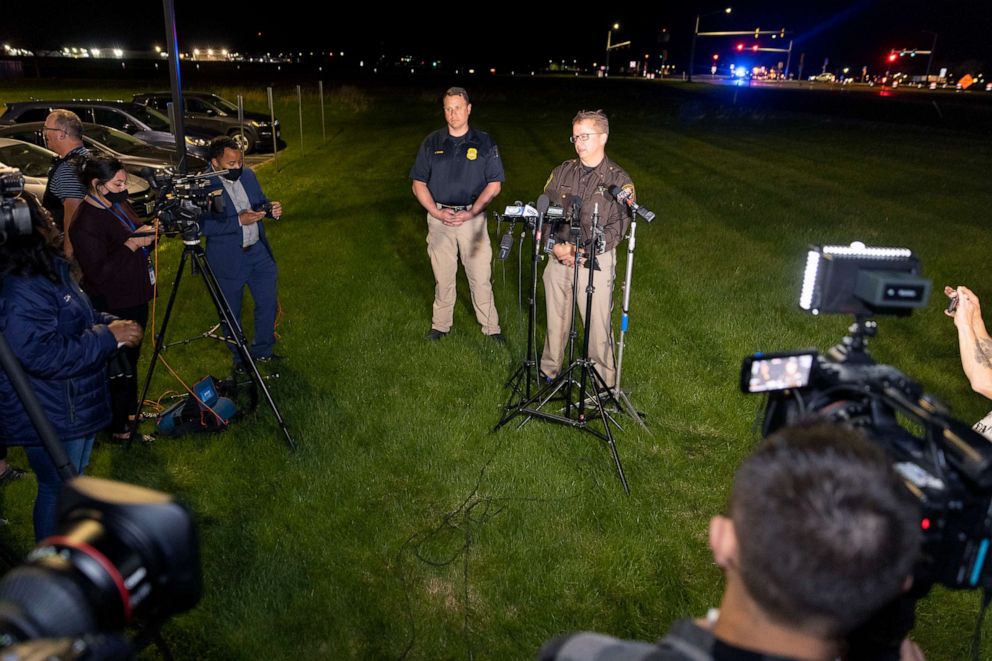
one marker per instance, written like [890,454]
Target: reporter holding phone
[112,247]
[237,250]
[975,346]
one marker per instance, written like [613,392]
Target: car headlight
[255,123]
[197,142]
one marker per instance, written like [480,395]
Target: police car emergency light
[863,281]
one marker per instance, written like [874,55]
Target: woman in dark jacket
[117,272]
[63,346]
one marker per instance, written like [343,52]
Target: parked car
[34,162]
[134,153]
[217,115]
[140,121]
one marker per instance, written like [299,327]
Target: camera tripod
[235,336]
[581,370]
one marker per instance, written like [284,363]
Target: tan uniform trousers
[558,294]
[445,244]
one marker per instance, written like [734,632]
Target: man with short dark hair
[237,250]
[821,534]
[63,134]
[456,175]
[588,178]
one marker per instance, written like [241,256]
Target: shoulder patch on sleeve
[548,182]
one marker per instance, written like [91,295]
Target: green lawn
[403,527]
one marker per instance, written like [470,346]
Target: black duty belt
[455,207]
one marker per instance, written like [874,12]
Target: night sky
[520,35]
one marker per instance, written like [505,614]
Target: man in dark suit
[237,249]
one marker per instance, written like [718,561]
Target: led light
[809,279]
[858,249]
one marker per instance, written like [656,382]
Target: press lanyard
[121,218]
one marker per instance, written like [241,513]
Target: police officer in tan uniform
[589,177]
[456,174]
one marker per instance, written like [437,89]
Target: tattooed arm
[974,342]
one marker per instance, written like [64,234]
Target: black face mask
[117,197]
[233,174]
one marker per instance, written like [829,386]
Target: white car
[34,162]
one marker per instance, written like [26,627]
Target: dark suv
[213,114]
[138,120]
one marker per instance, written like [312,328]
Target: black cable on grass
[462,518]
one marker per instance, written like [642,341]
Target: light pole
[695,33]
[933,47]
[609,45]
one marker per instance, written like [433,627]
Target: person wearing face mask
[113,250]
[237,250]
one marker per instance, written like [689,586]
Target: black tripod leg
[159,344]
[597,377]
[234,331]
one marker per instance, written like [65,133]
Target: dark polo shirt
[457,169]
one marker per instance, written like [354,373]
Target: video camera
[180,200]
[15,218]
[945,464]
[122,555]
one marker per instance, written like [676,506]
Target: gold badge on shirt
[472,154]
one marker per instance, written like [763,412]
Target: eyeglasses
[45,128]
[582,137]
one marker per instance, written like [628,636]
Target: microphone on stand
[623,195]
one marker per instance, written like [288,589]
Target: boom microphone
[623,195]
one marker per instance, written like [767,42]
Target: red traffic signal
[740,47]
[755,48]
[892,57]
[716,57]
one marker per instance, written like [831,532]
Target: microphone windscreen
[543,203]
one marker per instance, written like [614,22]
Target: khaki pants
[445,244]
[558,294]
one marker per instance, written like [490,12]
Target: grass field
[405,528]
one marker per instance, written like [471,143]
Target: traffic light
[892,57]
[740,47]
[716,57]
[755,48]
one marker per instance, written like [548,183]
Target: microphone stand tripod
[532,407]
[527,372]
[620,395]
[193,250]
